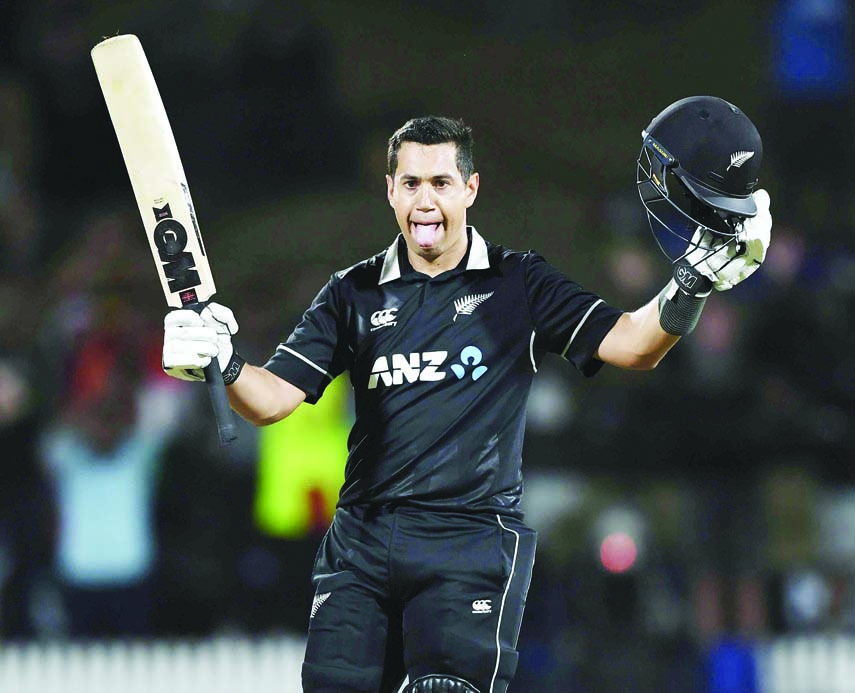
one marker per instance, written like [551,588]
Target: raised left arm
[637,341]
[641,338]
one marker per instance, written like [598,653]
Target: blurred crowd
[728,468]
[120,515]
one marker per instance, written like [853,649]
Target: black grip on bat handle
[217,393]
[220,402]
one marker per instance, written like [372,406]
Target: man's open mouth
[426,234]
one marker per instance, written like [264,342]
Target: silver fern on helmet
[739,158]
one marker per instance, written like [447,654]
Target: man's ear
[472,189]
[390,188]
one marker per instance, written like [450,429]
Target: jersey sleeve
[568,320]
[312,356]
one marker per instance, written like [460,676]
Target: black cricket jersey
[441,369]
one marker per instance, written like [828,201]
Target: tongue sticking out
[426,235]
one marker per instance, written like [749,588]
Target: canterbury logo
[482,606]
[318,601]
[384,318]
[739,158]
[467,304]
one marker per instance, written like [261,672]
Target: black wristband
[678,311]
[232,371]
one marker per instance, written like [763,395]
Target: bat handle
[220,402]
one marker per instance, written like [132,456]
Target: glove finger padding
[188,345]
[185,359]
[219,316]
[191,340]
[728,262]
[183,317]
[756,232]
[222,321]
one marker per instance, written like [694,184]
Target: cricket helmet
[698,167]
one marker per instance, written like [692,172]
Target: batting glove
[191,340]
[727,262]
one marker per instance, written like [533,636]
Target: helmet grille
[673,212]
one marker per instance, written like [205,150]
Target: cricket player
[425,568]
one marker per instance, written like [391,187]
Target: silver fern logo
[467,304]
[739,158]
[318,601]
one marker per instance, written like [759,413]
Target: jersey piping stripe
[504,596]
[531,351]
[303,358]
[579,327]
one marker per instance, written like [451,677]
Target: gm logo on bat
[170,238]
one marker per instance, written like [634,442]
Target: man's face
[430,199]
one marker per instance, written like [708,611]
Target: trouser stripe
[504,596]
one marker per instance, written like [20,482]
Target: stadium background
[698,522]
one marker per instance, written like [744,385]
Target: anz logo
[470,356]
[425,367]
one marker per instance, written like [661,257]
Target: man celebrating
[425,568]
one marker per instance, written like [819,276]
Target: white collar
[477,258]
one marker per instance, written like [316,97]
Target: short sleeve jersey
[441,368]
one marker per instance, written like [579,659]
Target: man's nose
[425,197]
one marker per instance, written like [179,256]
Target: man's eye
[441,184]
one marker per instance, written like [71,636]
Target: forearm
[637,341]
[261,397]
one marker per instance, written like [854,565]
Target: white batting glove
[734,260]
[191,340]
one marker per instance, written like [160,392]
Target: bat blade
[155,169]
[160,188]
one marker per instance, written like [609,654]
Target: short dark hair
[434,130]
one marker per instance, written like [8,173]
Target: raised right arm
[261,397]
[190,342]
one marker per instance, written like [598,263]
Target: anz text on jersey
[425,367]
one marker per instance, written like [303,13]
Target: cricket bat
[160,187]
